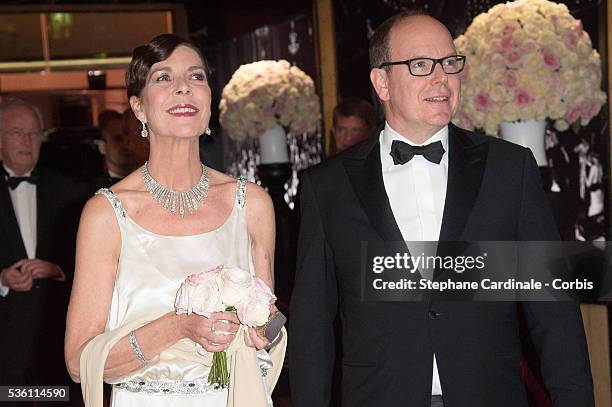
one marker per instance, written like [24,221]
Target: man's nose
[438,73]
[25,139]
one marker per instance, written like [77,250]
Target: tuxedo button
[434,314]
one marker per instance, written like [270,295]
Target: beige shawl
[246,387]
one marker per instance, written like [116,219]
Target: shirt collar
[113,174]
[388,134]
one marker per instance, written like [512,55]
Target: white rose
[510,113]
[235,285]
[254,309]
[199,294]
[205,298]
[561,125]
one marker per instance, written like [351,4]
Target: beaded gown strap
[241,192]
[114,201]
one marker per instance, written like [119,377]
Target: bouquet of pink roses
[225,289]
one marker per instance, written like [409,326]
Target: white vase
[273,146]
[528,134]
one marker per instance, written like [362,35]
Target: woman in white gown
[133,252]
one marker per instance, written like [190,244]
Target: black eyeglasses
[425,66]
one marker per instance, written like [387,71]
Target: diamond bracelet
[136,348]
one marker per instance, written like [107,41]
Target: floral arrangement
[528,59]
[225,289]
[264,94]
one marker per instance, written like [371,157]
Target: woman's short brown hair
[145,56]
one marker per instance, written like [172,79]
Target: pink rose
[524,98]
[508,30]
[554,19]
[482,101]
[199,293]
[513,58]
[511,79]
[505,43]
[268,111]
[578,25]
[590,110]
[281,102]
[571,39]
[573,113]
[551,60]
[204,276]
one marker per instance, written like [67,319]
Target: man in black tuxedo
[114,146]
[40,210]
[354,121]
[455,185]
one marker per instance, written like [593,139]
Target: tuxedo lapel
[467,159]
[365,173]
[8,222]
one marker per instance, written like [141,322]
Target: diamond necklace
[177,200]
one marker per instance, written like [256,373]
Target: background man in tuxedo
[457,186]
[40,210]
[114,146]
[354,121]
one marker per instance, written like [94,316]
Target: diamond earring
[208,131]
[144,133]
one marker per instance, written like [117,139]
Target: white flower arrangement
[528,59]
[264,94]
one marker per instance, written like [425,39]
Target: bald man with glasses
[423,179]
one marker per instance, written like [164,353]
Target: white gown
[150,271]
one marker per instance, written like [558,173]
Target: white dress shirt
[417,192]
[24,205]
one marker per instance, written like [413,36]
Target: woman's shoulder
[99,215]
[255,195]
[129,192]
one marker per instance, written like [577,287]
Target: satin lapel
[365,174]
[467,160]
[9,222]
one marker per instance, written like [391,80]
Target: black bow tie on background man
[403,152]
[13,182]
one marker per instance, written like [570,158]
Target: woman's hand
[254,340]
[214,334]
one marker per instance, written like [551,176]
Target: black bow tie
[403,152]
[13,182]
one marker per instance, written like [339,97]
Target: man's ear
[380,82]
[101,146]
[136,105]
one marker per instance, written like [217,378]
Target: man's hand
[15,278]
[42,269]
